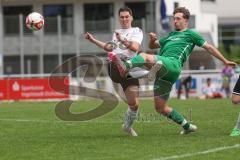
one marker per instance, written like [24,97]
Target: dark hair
[125,9]
[208,79]
[185,11]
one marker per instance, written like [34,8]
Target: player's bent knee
[150,59]
[133,104]
[143,54]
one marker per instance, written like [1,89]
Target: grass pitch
[30,130]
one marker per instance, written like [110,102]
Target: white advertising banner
[197,83]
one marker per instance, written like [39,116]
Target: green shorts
[166,76]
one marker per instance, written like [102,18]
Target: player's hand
[89,36]
[152,36]
[119,37]
[230,63]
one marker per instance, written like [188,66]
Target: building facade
[26,52]
[228,19]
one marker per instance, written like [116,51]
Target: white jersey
[132,34]
[209,90]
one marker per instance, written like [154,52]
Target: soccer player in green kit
[167,65]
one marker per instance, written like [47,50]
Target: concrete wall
[229,8]
[228,11]
[208,22]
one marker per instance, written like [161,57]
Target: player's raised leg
[140,60]
[153,71]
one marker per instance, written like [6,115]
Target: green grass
[30,130]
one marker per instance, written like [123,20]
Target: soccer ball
[34,21]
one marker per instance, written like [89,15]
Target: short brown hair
[185,11]
[125,9]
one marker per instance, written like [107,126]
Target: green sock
[137,61]
[179,119]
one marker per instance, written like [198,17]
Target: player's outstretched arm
[153,43]
[216,53]
[106,46]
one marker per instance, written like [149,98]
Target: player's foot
[155,68]
[192,128]
[120,65]
[129,131]
[235,132]
[110,55]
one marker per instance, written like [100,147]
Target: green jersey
[179,45]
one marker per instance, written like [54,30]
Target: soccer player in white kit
[126,43]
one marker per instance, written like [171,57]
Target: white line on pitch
[54,121]
[199,153]
[47,121]
[61,121]
[25,120]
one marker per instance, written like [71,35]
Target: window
[11,65]
[176,5]
[11,19]
[71,65]
[31,64]
[50,63]
[229,34]
[51,12]
[97,17]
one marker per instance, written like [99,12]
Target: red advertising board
[30,88]
[3,89]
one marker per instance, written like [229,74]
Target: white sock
[238,122]
[184,122]
[129,62]
[130,117]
